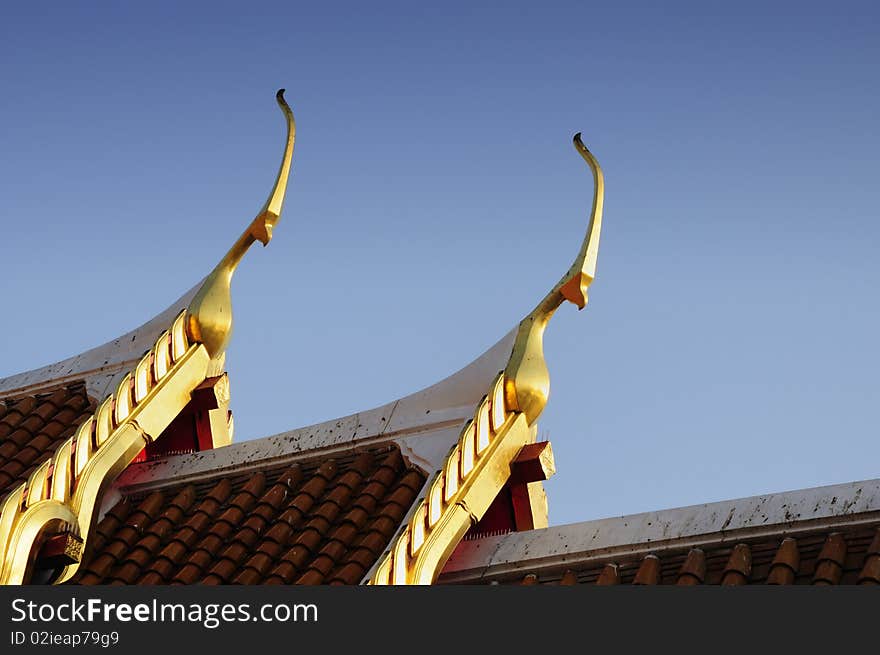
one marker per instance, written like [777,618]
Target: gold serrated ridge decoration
[63,491]
[103,421]
[209,315]
[161,357]
[83,448]
[61,469]
[122,407]
[142,379]
[38,484]
[179,342]
[460,492]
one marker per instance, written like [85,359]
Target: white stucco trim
[789,513]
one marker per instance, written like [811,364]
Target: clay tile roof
[32,428]
[313,523]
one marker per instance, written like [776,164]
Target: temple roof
[115,467]
[118,467]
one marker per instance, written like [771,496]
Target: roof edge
[751,517]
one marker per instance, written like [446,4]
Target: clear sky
[730,344]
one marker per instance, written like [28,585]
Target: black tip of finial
[280,94]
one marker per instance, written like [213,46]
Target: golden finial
[527,385]
[209,316]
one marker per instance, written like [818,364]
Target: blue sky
[730,344]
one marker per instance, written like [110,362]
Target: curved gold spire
[209,316]
[527,380]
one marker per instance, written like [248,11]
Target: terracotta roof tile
[786,563]
[363,556]
[345,533]
[383,524]
[335,550]
[220,572]
[351,573]
[350,479]
[117,548]
[739,566]
[375,489]
[831,560]
[306,524]
[568,578]
[870,573]
[403,496]
[280,531]
[309,539]
[384,477]
[108,525]
[610,575]
[324,515]
[162,566]
[414,480]
[219,493]
[191,573]
[152,578]
[248,576]
[340,495]
[32,428]
[649,571]
[174,551]
[395,509]
[693,571]
[286,569]
[374,542]
[257,565]
[323,564]
[310,577]
[358,516]
[314,488]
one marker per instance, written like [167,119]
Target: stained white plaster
[789,512]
